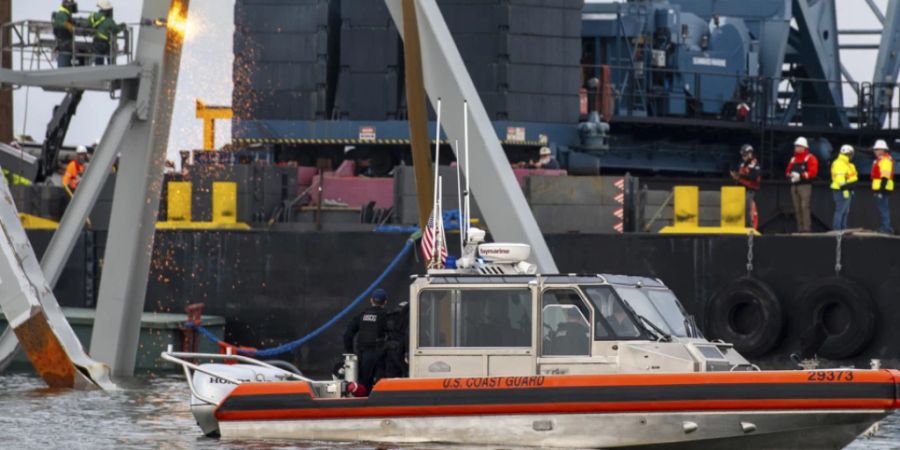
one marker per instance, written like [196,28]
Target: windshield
[658,306]
[612,318]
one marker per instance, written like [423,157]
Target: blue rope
[293,345]
[452,219]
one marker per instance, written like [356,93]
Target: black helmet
[745,149]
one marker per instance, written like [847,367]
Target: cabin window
[475,318]
[612,314]
[566,325]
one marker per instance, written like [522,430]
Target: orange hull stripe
[773,377]
[545,408]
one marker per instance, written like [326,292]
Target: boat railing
[182,359]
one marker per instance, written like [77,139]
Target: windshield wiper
[691,326]
[662,335]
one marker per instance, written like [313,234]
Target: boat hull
[796,409]
[714,430]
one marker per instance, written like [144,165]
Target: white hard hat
[545,151]
[104,5]
[847,150]
[81,150]
[801,142]
[880,145]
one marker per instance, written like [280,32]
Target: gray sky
[205,74]
[206,70]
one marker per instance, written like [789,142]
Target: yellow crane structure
[209,115]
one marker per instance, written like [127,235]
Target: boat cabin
[486,325]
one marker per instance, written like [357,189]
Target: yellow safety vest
[95,23]
[15,179]
[843,173]
[883,168]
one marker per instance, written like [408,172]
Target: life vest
[804,164]
[883,174]
[749,174]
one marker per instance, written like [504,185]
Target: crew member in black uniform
[370,331]
[397,344]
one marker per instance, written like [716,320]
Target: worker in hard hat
[76,168]
[883,184]
[801,171]
[64,24]
[545,160]
[843,179]
[749,176]
[105,31]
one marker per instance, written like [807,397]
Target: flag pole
[439,226]
[459,190]
[437,151]
[467,213]
[437,178]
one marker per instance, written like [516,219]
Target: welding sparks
[177,20]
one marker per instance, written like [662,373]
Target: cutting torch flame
[177,20]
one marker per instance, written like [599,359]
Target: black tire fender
[847,312]
[748,314]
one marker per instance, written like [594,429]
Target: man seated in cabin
[621,324]
[370,331]
[572,337]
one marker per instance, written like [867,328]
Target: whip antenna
[467,212]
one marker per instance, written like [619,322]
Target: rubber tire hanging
[838,302]
[748,314]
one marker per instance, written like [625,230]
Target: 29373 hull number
[828,376]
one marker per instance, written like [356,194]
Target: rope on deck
[293,345]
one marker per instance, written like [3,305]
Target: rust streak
[46,353]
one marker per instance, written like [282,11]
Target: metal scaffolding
[137,135]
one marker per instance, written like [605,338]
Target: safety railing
[182,359]
[32,45]
[764,102]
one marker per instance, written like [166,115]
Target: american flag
[430,235]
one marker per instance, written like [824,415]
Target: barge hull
[276,286]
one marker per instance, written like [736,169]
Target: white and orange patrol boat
[500,355]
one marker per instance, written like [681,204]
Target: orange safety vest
[73,174]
